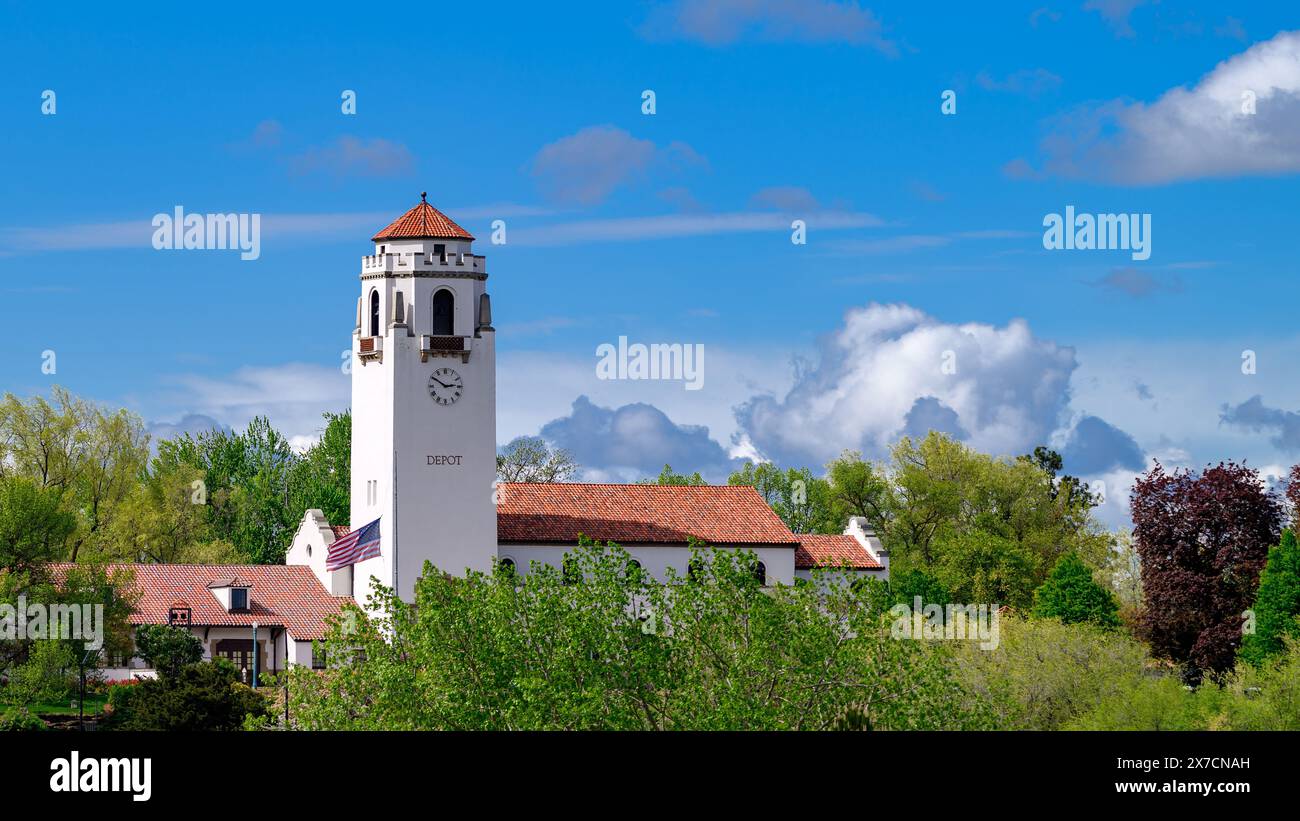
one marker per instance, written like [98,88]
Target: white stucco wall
[425,470]
[654,559]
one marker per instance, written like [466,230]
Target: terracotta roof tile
[280,596]
[340,530]
[816,550]
[423,222]
[636,514]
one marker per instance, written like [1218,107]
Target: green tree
[1072,595]
[85,455]
[34,525]
[981,568]
[167,649]
[858,488]
[802,500]
[530,459]
[535,650]
[165,519]
[322,477]
[247,485]
[668,477]
[1277,604]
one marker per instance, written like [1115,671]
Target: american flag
[360,544]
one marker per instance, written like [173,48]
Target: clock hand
[440,382]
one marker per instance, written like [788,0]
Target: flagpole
[397,588]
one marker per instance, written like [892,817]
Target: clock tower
[423,403]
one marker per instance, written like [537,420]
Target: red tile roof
[816,550]
[720,515]
[280,596]
[340,530]
[422,222]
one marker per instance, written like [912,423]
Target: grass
[94,704]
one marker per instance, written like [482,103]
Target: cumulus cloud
[722,22]
[1243,118]
[1256,417]
[293,396]
[191,423]
[587,166]
[1006,390]
[634,441]
[354,157]
[1095,446]
[929,414]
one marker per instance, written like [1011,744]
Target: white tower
[423,403]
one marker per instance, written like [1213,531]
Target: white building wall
[427,470]
[654,559]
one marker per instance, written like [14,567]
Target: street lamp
[254,655]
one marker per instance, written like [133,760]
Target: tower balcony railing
[445,345]
[370,347]
[406,262]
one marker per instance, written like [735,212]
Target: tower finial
[423,196]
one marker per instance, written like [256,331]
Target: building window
[695,569]
[570,571]
[440,251]
[444,305]
[239,598]
[760,574]
[318,655]
[507,565]
[239,652]
[634,572]
[374,313]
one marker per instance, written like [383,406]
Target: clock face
[445,386]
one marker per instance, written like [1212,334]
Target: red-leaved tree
[1203,540]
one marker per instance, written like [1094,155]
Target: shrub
[204,696]
[1044,673]
[20,719]
[1072,595]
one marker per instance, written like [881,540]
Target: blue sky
[924,229]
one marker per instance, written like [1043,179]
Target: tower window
[444,306]
[440,251]
[374,313]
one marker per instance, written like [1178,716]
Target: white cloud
[1191,133]
[587,166]
[293,396]
[667,226]
[353,156]
[1007,393]
[722,22]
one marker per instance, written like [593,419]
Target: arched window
[760,574]
[374,313]
[444,305]
[507,565]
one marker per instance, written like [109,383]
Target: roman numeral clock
[445,386]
